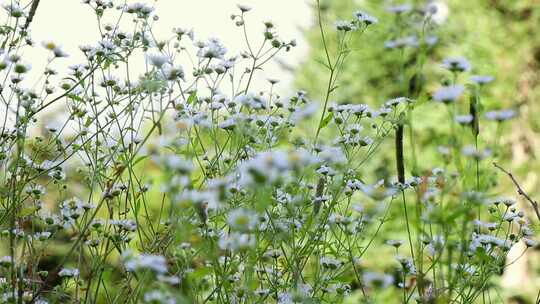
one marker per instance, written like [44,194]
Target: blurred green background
[499,37]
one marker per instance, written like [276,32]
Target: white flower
[358,207]
[158,297]
[105,46]
[530,242]
[125,224]
[14,9]
[464,119]
[448,94]
[140,9]
[398,9]
[437,11]
[365,18]
[331,155]
[72,208]
[377,191]
[285,298]
[183,31]
[456,64]
[394,243]
[411,41]
[69,272]
[243,8]
[488,241]
[252,101]
[236,241]
[466,268]
[242,220]
[481,79]
[213,48]
[330,263]
[501,115]
[510,217]
[171,72]
[471,151]
[207,199]
[157,60]
[154,263]
[176,163]
[21,68]
[6,261]
[304,112]
[42,236]
[396,101]
[49,45]
[346,26]
[503,200]
[272,166]
[407,265]
[378,280]
[55,48]
[431,40]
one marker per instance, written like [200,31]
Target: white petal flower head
[6,261]
[471,151]
[394,243]
[482,79]
[365,18]
[213,48]
[456,64]
[530,242]
[408,41]
[398,100]
[49,45]
[60,53]
[332,155]
[242,220]
[377,191]
[399,9]
[375,279]
[236,241]
[501,115]
[437,11]
[14,9]
[345,26]
[305,112]
[158,296]
[464,119]
[21,68]
[69,272]
[157,60]
[243,8]
[55,48]
[448,94]
[154,263]
[330,263]
[172,73]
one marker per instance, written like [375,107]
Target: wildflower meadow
[155,170]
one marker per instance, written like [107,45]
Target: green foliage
[182,185]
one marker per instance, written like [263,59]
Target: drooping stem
[520,190]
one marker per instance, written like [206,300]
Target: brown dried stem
[520,190]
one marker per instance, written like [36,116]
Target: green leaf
[107,64]
[27,211]
[88,122]
[192,97]
[139,159]
[327,120]
[75,97]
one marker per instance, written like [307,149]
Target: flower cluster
[185,184]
